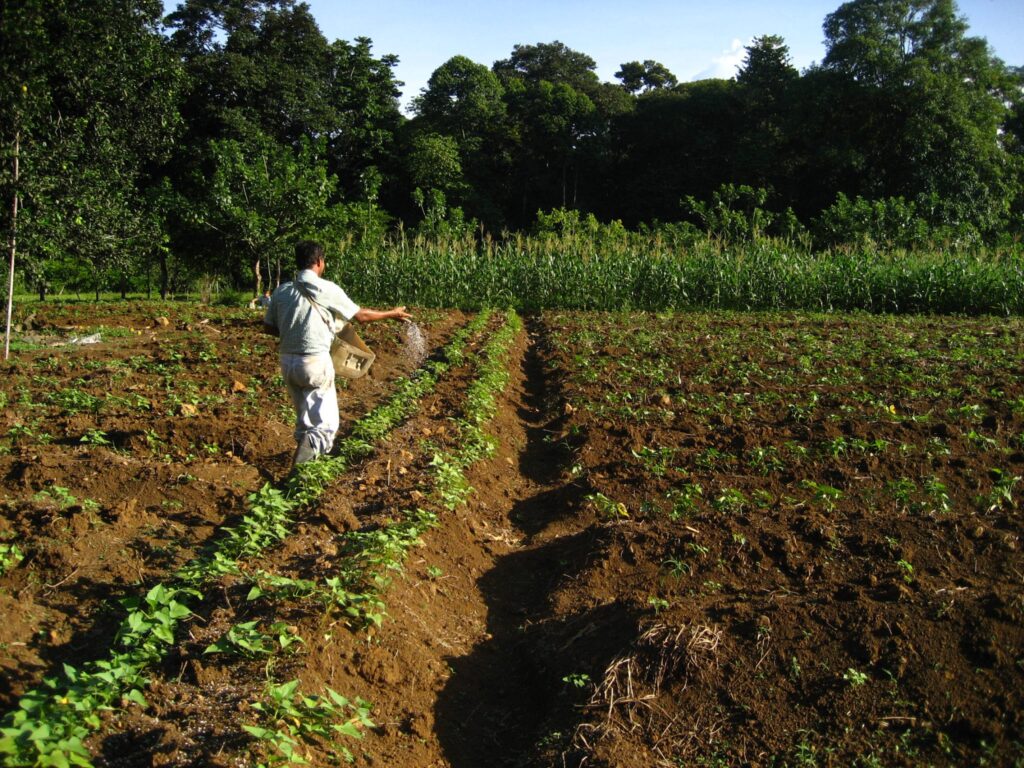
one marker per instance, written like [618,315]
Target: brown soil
[538,625]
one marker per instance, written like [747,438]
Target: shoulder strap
[319,309]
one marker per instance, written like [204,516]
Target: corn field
[529,273]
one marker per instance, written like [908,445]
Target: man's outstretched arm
[367,315]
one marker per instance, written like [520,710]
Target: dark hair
[308,253]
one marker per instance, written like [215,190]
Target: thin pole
[13,248]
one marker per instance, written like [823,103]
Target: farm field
[621,539]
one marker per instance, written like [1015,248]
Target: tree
[264,195]
[767,67]
[649,76]
[365,94]
[674,144]
[264,71]
[434,164]
[765,82]
[464,102]
[930,100]
[550,92]
[462,99]
[553,62]
[99,111]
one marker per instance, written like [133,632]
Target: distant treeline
[156,151]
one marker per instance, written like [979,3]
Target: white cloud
[725,65]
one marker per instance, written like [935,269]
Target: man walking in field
[306,332]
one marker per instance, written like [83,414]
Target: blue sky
[693,39]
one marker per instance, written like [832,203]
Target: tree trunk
[259,277]
[13,249]
[164,276]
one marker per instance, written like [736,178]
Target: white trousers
[310,382]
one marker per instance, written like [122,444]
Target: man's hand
[399,313]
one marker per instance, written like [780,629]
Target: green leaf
[135,696]
[164,633]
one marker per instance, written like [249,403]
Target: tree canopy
[202,142]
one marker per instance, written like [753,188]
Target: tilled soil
[540,623]
[192,417]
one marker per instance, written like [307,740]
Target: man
[260,302]
[306,332]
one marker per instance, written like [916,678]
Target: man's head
[308,254]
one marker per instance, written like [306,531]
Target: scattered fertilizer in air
[415,342]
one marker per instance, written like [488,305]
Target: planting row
[149,626]
[276,628]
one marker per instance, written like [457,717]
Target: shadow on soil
[509,698]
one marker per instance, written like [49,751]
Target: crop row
[49,724]
[366,558]
[533,274]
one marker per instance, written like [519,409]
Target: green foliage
[735,213]
[247,640]
[92,97]
[613,272]
[209,151]
[50,722]
[263,195]
[290,718]
[10,556]
[648,76]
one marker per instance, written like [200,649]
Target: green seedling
[10,556]
[906,570]
[765,460]
[837,447]
[606,508]
[361,608]
[450,481]
[938,493]
[59,494]
[577,679]
[730,501]
[247,641]
[677,568]
[711,458]
[95,437]
[855,678]
[655,460]
[1001,494]
[980,441]
[290,718]
[73,400]
[901,490]
[684,500]
[698,549]
[659,604]
[825,495]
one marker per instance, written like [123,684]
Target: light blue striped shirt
[303,328]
